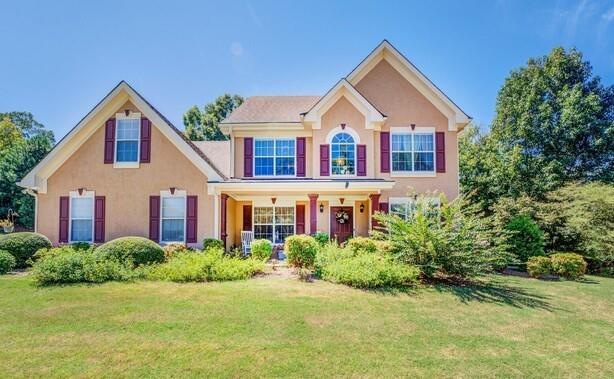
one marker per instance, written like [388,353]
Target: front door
[341,223]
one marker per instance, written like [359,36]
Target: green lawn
[513,327]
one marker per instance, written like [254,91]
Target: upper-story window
[413,151]
[343,154]
[275,157]
[127,134]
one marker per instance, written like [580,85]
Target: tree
[562,119]
[26,143]
[203,125]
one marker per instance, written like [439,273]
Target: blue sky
[59,58]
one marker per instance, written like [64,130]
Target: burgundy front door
[341,230]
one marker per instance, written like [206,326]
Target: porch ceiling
[299,187]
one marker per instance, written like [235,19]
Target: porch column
[374,207]
[313,213]
[224,201]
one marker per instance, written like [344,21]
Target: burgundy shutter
[383,207]
[301,147]
[154,218]
[384,146]
[64,219]
[99,215]
[109,141]
[324,160]
[300,219]
[361,160]
[247,217]
[440,151]
[248,157]
[145,140]
[191,220]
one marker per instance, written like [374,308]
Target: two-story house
[292,165]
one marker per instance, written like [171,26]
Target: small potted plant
[7,225]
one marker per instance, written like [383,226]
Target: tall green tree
[203,125]
[24,143]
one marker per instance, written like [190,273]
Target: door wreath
[342,217]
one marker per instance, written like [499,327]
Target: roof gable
[385,51]
[37,177]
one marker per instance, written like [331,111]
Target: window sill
[126,165]
[413,174]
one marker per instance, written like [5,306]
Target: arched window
[343,154]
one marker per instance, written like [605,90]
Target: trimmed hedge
[212,243]
[568,265]
[301,250]
[539,266]
[7,262]
[23,245]
[135,250]
[262,249]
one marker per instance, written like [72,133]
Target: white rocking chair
[247,236]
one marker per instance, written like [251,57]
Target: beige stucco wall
[403,105]
[361,220]
[126,191]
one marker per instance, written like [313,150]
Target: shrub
[172,249]
[301,250]
[568,265]
[68,265]
[23,245]
[211,265]
[362,269]
[321,237]
[262,249]
[364,244]
[81,245]
[525,239]
[7,262]
[134,250]
[539,266]
[213,243]
[451,240]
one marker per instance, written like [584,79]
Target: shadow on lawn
[497,293]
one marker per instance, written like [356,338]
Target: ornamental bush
[68,265]
[134,250]
[568,265]
[539,266]
[363,269]
[212,243]
[210,265]
[172,249]
[262,249]
[7,262]
[322,238]
[525,238]
[23,245]
[301,250]
[364,244]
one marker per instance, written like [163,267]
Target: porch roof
[299,186]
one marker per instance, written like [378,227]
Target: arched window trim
[329,140]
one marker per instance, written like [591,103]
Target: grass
[508,327]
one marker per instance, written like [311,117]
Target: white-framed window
[274,223]
[404,207]
[275,157]
[127,138]
[172,216]
[81,226]
[412,151]
[343,154]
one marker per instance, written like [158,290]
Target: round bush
[262,249]
[23,245]
[364,244]
[539,266]
[137,250]
[526,238]
[7,262]
[301,250]
[212,243]
[568,265]
[322,238]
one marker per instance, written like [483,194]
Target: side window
[172,218]
[127,135]
[82,217]
[413,152]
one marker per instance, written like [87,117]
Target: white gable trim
[373,117]
[36,179]
[457,118]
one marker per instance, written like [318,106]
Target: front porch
[275,210]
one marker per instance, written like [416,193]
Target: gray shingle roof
[277,109]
